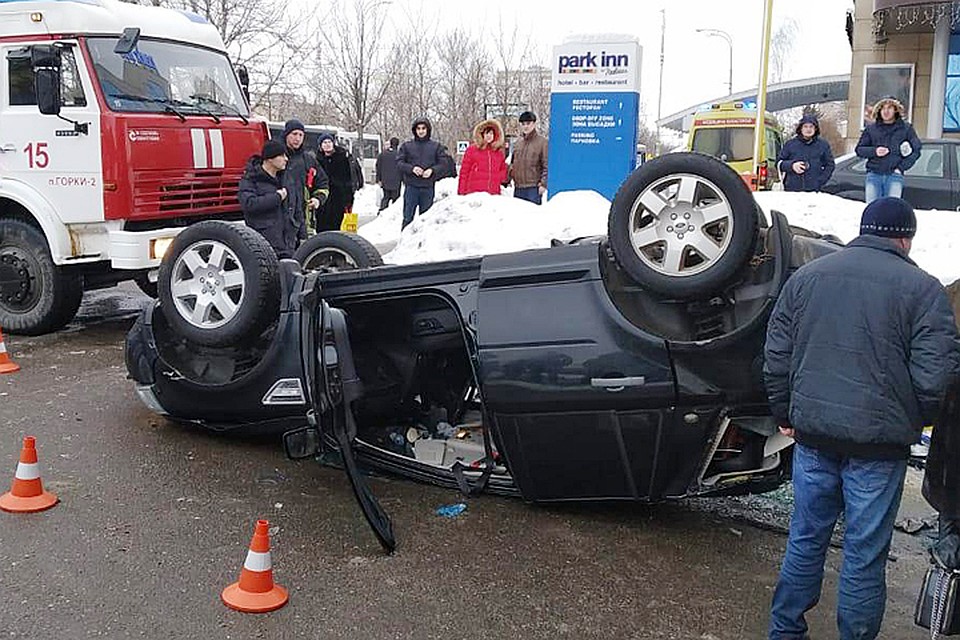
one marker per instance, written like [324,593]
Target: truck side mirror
[128,41]
[244,77]
[45,60]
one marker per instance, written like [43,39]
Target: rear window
[731,144]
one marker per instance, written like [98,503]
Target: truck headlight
[159,246]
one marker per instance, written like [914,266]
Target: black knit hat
[889,218]
[272,149]
[291,125]
[527,116]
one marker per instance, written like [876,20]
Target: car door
[579,398]
[927,184]
[44,155]
[333,386]
[954,155]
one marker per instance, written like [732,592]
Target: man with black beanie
[305,181]
[860,347]
[263,197]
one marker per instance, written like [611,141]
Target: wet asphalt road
[155,520]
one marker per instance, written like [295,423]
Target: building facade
[909,49]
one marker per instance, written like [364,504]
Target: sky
[695,65]
[473,225]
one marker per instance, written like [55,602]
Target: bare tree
[463,82]
[781,48]
[356,66]
[262,36]
[512,53]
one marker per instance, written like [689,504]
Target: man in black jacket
[860,346]
[941,479]
[306,183]
[334,160]
[262,196]
[891,147]
[806,161]
[420,163]
[388,174]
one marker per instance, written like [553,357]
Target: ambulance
[726,131]
[120,124]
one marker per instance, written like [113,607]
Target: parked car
[932,183]
[620,367]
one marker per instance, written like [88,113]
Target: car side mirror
[128,41]
[301,443]
[244,77]
[45,61]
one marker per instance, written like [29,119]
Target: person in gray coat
[860,347]
[388,174]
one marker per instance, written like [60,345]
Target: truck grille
[190,192]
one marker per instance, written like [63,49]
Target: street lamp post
[719,33]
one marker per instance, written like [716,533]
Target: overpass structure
[784,95]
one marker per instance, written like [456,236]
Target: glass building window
[951,102]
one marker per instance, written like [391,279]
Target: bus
[348,139]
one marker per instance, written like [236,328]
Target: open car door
[333,386]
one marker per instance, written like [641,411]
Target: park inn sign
[594,112]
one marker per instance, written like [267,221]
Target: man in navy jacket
[860,347]
[891,147]
[420,165]
[806,162]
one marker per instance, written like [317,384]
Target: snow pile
[938,232]
[480,224]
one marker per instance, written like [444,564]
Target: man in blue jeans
[859,349]
[891,147]
[420,163]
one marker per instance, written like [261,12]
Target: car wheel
[219,284]
[36,296]
[337,251]
[682,225]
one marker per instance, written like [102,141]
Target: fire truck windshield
[158,74]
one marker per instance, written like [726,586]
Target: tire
[244,297]
[36,296]
[683,225]
[337,251]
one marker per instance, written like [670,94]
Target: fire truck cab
[120,124]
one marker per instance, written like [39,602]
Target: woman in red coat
[484,166]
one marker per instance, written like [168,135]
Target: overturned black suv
[625,367]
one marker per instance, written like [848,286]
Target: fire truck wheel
[146,286]
[219,284]
[683,225]
[36,296]
[337,251]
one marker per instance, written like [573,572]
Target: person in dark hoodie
[306,183]
[388,174]
[262,199]
[854,385]
[891,147]
[941,479]
[334,160]
[806,162]
[420,164]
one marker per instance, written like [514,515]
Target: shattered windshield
[158,74]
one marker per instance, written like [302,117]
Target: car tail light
[762,182]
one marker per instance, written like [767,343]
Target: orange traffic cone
[27,494]
[255,592]
[6,364]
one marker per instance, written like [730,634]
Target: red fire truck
[120,124]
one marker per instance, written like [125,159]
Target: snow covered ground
[481,224]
